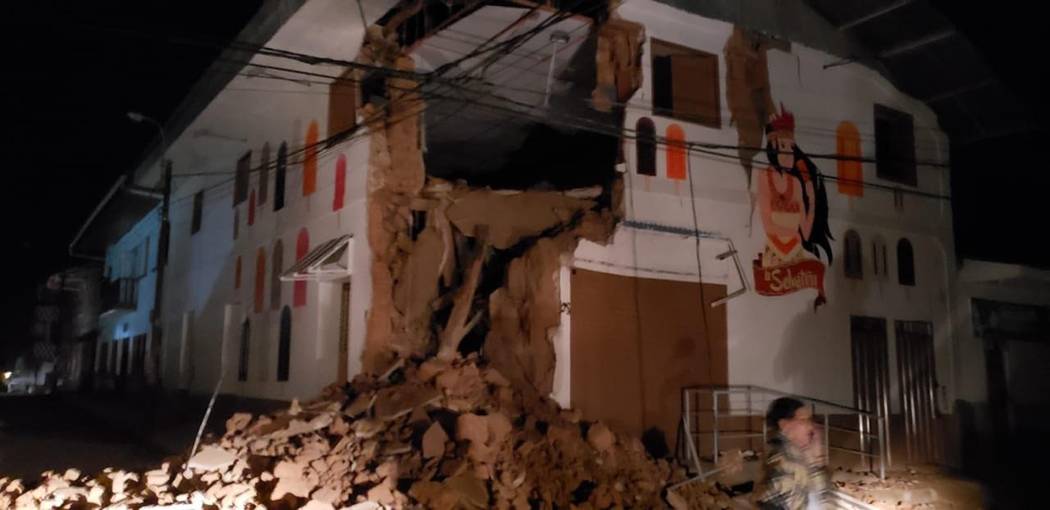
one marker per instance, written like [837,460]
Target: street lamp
[162,252]
[140,118]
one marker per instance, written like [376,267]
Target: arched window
[645,146]
[905,263]
[279,176]
[251,208]
[242,360]
[675,152]
[284,345]
[310,160]
[237,273]
[275,275]
[850,171]
[340,183]
[264,173]
[854,254]
[302,246]
[260,279]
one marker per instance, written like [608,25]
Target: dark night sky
[71,77]
[69,83]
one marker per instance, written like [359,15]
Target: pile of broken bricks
[900,490]
[438,434]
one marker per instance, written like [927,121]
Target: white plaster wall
[249,112]
[122,325]
[780,342]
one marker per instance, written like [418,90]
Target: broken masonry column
[395,176]
[618,63]
[452,259]
[748,92]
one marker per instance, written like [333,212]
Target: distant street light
[140,118]
[162,252]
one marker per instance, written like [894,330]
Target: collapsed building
[609,202]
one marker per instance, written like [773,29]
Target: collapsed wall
[460,268]
[452,408]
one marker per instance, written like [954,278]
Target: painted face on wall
[794,211]
[784,145]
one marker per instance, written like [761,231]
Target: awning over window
[329,260]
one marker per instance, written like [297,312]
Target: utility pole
[156,321]
[156,318]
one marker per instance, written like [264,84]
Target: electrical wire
[692,146]
[689,147]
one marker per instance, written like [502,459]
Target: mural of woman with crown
[794,208]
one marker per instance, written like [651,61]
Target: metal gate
[918,385]
[871,380]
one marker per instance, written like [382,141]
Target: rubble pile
[696,493]
[437,434]
[900,490]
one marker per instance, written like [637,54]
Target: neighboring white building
[128,299]
[1002,328]
[226,309]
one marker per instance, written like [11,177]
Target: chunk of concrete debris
[507,218]
[430,368]
[382,493]
[71,474]
[366,428]
[339,426]
[287,469]
[314,504]
[396,401]
[365,505]
[473,428]
[434,440]
[297,485]
[362,403]
[212,458]
[472,491]
[600,437]
[157,478]
[95,495]
[64,494]
[121,480]
[298,427]
[238,422]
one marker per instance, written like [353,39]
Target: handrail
[716,392]
[742,388]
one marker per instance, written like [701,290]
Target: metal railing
[750,402]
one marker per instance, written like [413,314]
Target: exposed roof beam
[877,14]
[911,46]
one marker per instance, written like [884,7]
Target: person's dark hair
[782,408]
